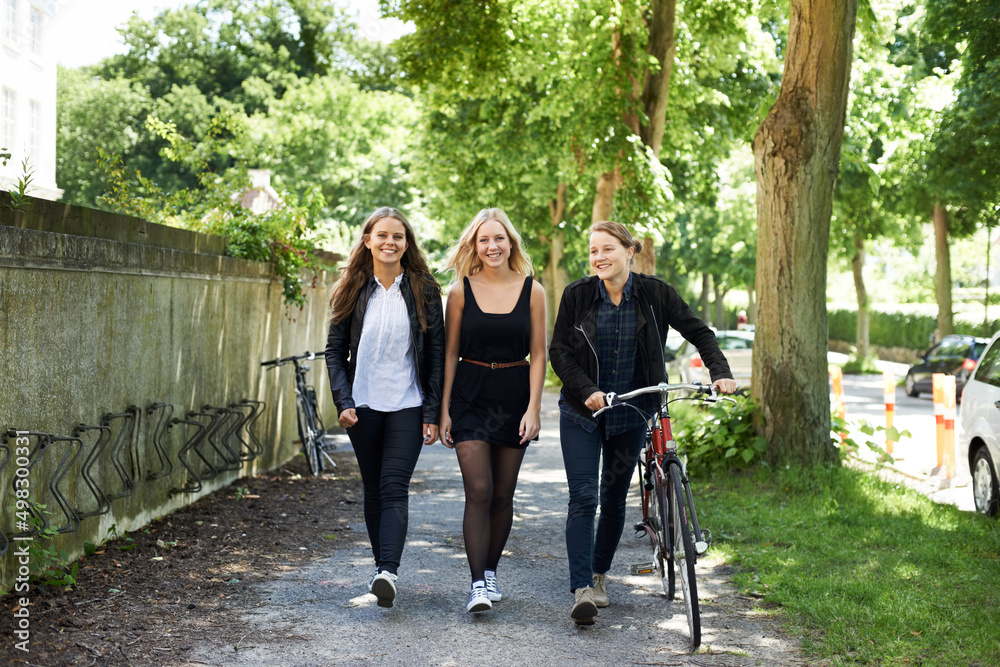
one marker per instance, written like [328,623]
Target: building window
[7,102]
[35,140]
[9,19]
[37,20]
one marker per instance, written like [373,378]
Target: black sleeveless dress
[488,404]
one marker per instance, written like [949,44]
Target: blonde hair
[621,234]
[464,260]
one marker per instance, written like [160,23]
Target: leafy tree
[353,145]
[215,206]
[956,180]
[230,49]
[881,110]
[94,113]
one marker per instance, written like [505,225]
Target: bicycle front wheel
[308,435]
[664,553]
[684,551]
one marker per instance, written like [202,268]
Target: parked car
[980,443]
[686,366]
[952,355]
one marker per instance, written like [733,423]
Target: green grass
[868,573]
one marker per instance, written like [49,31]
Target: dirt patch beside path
[148,597]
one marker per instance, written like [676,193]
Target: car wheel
[984,483]
[911,389]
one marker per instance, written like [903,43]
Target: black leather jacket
[573,351]
[344,337]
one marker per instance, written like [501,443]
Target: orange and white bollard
[837,378]
[889,394]
[937,384]
[949,427]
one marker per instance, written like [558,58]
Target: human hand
[445,431]
[725,386]
[531,424]
[430,433]
[596,401]
[348,418]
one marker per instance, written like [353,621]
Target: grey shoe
[584,610]
[384,588]
[600,592]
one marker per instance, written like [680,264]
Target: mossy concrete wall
[95,322]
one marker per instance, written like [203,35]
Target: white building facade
[28,95]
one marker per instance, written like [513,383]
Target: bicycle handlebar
[294,357]
[614,400]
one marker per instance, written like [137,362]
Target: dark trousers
[590,482]
[387,445]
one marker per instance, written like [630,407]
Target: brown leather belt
[495,365]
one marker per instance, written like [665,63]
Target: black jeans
[387,445]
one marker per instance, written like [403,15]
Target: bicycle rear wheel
[311,442]
[664,552]
[684,554]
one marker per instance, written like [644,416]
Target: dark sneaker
[479,600]
[493,589]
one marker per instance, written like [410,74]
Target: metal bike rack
[72,519]
[231,458]
[256,408]
[125,441]
[195,486]
[103,502]
[43,443]
[166,467]
[212,469]
[4,542]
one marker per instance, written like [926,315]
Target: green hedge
[896,329]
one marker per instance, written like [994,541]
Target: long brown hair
[361,266]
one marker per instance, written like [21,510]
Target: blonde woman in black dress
[491,402]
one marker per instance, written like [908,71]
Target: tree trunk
[720,295]
[751,307]
[857,268]
[652,94]
[796,158]
[645,261]
[946,322]
[706,288]
[662,46]
[554,277]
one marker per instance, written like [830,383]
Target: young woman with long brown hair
[491,407]
[385,358]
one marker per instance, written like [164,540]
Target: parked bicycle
[668,513]
[316,443]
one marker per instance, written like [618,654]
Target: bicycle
[672,526]
[316,445]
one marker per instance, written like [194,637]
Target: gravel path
[321,613]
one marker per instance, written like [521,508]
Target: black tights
[490,477]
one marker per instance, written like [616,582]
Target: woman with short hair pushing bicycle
[385,358]
[609,336]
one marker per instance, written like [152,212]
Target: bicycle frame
[672,527]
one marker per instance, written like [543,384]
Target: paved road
[321,614]
[915,456]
